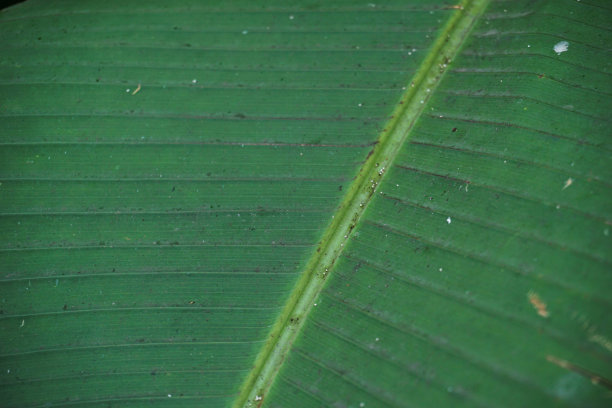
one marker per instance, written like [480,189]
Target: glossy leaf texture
[168,169]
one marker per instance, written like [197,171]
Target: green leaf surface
[304,204]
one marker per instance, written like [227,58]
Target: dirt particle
[538,304]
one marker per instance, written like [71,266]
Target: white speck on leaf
[169,395]
[291,17]
[245,32]
[448,220]
[258,398]
[22,323]
[568,183]
[560,47]
[194,81]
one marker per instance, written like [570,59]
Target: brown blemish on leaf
[596,379]
[538,304]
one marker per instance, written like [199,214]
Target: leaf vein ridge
[391,139]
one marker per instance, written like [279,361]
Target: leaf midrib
[408,110]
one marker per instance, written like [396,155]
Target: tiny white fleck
[440,269]
[193,81]
[448,220]
[169,395]
[568,183]
[315,304]
[245,32]
[258,398]
[291,17]
[360,105]
[422,101]
[560,47]
[528,46]
[22,323]
[607,232]
[377,339]
[127,90]
[362,404]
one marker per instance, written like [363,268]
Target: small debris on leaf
[560,47]
[538,304]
